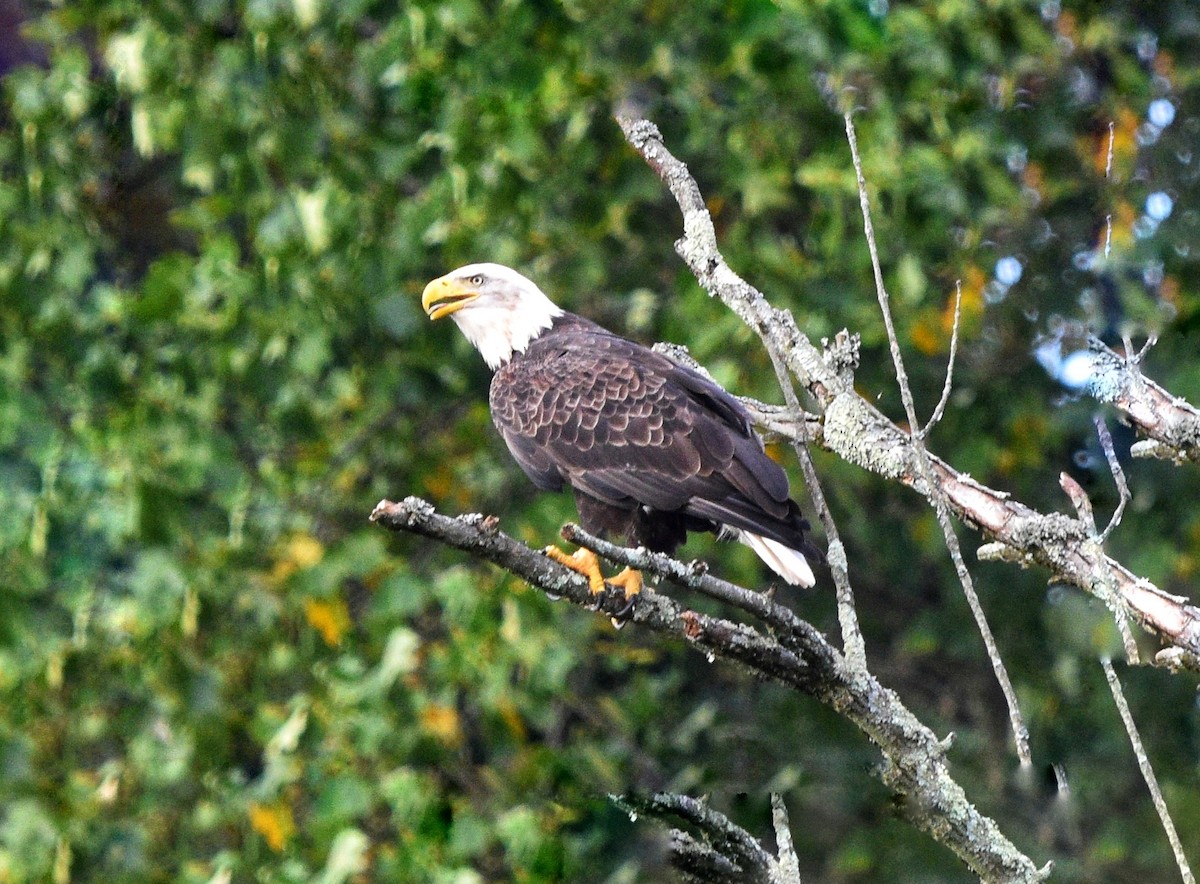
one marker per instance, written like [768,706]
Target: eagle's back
[627,426]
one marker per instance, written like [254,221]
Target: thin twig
[1146,348]
[1118,474]
[936,417]
[1143,761]
[1105,585]
[1079,500]
[1108,227]
[1120,615]
[906,396]
[936,495]
[1112,140]
[730,839]
[853,642]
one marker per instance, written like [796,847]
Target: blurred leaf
[274,823]
[330,618]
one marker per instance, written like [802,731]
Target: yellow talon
[630,581]
[583,561]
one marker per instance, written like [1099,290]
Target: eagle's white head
[498,309]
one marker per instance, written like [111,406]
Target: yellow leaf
[1185,566]
[1034,177]
[302,551]
[926,333]
[274,822]
[329,617]
[442,723]
[439,481]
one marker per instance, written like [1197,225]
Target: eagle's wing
[628,426]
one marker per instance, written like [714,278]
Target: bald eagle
[652,450]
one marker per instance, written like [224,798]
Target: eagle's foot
[630,581]
[582,561]
[586,562]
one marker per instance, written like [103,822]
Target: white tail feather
[784,561]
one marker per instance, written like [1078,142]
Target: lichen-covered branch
[698,248]
[724,851]
[1171,424]
[915,762]
[695,576]
[715,850]
[788,869]
[700,862]
[859,433]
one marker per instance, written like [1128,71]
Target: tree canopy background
[215,223]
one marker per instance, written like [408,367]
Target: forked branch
[859,433]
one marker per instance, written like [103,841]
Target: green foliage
[215,221]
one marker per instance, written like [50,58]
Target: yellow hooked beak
[445,295]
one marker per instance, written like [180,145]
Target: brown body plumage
[651,449]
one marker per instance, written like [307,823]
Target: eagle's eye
[477,279]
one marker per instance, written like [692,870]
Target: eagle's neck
[499,332]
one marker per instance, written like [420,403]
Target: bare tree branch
[914,759]
[1171,424]
[1118,474]
[699,862]
[772,328]
[725,852]
[695,576]
[859,433]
